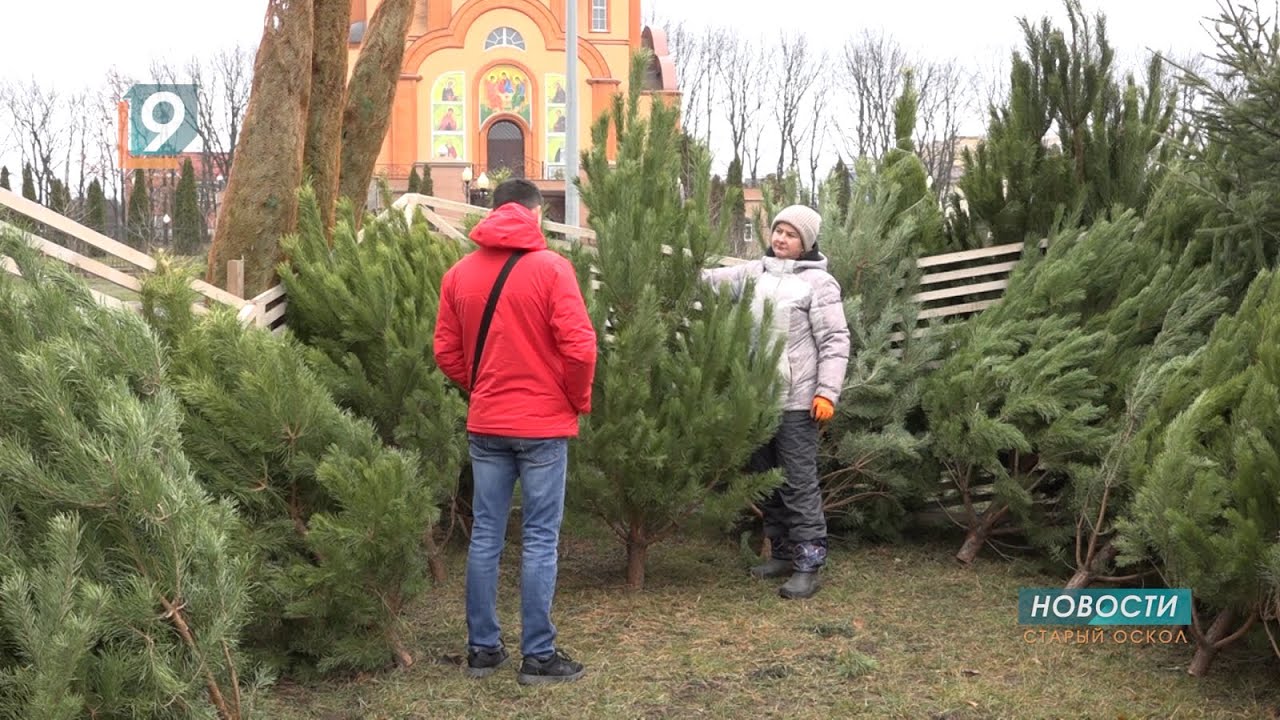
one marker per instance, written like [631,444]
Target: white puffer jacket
[808,312]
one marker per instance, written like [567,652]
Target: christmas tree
[123,589]
[334,518]
[1207,504]
[367,307]
[96,210]
[684,392]
[875,450]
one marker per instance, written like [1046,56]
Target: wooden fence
[952,286]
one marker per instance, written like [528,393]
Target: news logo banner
[1109,606]
[162,119]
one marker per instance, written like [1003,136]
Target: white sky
[92,35]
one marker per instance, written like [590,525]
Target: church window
[504,37]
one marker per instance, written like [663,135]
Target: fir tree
[903,167]
[28,184]
[414,180]
[844,187]
[123,590]
[683,393]
[368,307]
[96,210]
[1207,505]
[188,222]
[335,519]
[59,196]
[140,219]
[4,177]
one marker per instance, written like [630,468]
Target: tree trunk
[372,90]
[637,554]
[261,202]
[328,98]
[434,560]
[1090,569]
[979,534]
[1207,646]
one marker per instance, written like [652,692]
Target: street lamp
[466,183]
[482,183]
[166,220]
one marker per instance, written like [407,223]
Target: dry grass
[897,632]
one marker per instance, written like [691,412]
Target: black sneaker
[483,662]
[557,667]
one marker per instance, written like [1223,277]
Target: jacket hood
[511,227]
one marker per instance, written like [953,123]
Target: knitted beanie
[804,219]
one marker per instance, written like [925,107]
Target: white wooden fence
[953,285]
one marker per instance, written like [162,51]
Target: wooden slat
[266,297]
[11,267]
[966,273]
[442,225]
[75,259]
[272,316]
[976,254]
[43,214]
[956,309]
[102,242]
[961,291]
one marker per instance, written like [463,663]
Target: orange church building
[483,86]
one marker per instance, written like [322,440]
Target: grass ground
[897,632]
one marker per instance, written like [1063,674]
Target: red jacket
[540,356]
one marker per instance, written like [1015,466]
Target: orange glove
[822,410]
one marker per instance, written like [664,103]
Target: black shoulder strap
[488,312]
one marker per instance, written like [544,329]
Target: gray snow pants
[793,518]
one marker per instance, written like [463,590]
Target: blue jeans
[541,465]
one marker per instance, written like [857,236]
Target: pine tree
[188,222]
[140,219]
[59,196]
[335,518]
[123,590]
[876,448]
[1108,140]
[28,184]
[4,177]
[96,210]
[414,180]
[903,167]
[683,393]
[368,309]
[1208,507]
[1020,403]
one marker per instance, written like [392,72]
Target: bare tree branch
[791,85]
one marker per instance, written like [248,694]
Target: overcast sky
[71,43]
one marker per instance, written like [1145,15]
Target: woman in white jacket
[809,315]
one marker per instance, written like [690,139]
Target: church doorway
[505,147]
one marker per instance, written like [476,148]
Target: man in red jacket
[531,382]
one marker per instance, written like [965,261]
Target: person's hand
[822,410]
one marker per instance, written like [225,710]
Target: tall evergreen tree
[875,455]
[123,589]
[414,180]
[335,519]
[96,207]
[141,232]
[188,222]
[4,177]
[28,184]
[1207,505]
[683,391]
[426,186]
[368,309]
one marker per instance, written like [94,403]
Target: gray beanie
[804,219]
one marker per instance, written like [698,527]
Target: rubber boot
[801,585]
[772,568]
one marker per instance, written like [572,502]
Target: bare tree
[796,73]
[36,129]
[873,64]
[695,60]
[815,130]
[946,98]
[223,83]
[740,72]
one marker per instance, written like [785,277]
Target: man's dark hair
[517,190]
